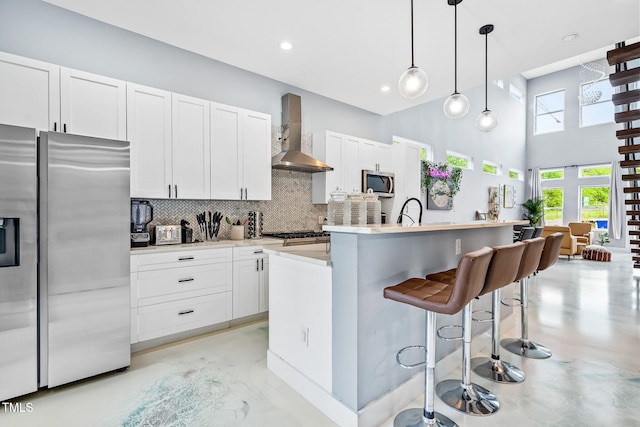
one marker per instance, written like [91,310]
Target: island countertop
[415,228]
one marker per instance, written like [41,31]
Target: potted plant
[533,211]
[603,238]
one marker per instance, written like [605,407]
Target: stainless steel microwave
[382,183]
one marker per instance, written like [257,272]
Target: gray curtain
[616,209]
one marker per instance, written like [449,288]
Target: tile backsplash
[289,209]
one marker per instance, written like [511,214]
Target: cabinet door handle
[257,251]
[182,313]
[55,126]
[186,258]
[176,190]
[241,194]
[191,279]
[169,190]
[262,264]
[245,194]
[257,265]
[64,127]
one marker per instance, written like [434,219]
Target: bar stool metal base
[413,418]
[497,370]
[524,348]
[474,400]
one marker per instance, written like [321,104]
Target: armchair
[569,246]
[582,231]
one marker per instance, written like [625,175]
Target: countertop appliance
[141,215]
[381,183]
[68,317]
[166,235]
[300,237]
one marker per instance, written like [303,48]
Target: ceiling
[348,49]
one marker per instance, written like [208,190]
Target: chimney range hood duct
[291,157]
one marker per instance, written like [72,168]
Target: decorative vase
[439,194]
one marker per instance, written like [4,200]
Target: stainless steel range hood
[291,157]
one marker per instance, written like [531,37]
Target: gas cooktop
[300,237]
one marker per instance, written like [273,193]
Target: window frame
[551,170]
[561,209]
[518,172]
[536,115]
[494,165]
[581,105]
[469,159]
[605,207]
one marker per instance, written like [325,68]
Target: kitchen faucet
[399,221]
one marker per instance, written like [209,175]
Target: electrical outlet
[458,247]
[320,220]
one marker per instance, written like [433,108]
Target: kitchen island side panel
[363,265]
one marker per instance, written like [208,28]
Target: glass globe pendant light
[486,120]
[414,81]
[456,105]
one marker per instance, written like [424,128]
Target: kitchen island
[332,335]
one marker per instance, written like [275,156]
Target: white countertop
[208,245]
[317,253]
[415,228]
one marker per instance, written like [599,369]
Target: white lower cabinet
[177,291]
[250,281]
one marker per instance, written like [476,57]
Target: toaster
[166,235]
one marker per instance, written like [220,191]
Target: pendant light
[413,82]
[456,105]
[486,120]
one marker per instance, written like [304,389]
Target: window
[516,174]
[516,93]
[553,204]
[594,206]
[591,171]
[491,168]
[549,112]
[552,174]
[595,103]
[459,160]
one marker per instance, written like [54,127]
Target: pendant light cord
[412,64]
[486,68]
[455,47]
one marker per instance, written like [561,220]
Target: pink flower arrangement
[439,173]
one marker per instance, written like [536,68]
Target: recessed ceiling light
[286,46]
[385,88]
[568,38]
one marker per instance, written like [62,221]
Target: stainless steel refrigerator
[79,290]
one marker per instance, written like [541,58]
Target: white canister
[237,232]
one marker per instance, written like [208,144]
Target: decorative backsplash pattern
[289,209]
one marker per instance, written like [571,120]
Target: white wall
[505,145]
[39,30]
[574,146]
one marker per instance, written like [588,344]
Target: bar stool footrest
[414,365]
[503,301]
[438,332]
[480,320]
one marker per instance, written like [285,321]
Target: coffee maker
[141,215]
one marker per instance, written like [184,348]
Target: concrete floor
[586,312]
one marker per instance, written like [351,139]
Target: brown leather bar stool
[505,268]
[549,254]
[437,297]
[464,395]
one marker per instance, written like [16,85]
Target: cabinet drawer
[154,261]
[158,320]
[161,285]
[247,252]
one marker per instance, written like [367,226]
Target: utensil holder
[237,232]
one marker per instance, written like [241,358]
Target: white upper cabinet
[190,147]
[92,105]
[340,152]
[240,154]
[149,131]
[29,93]
[375,156]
